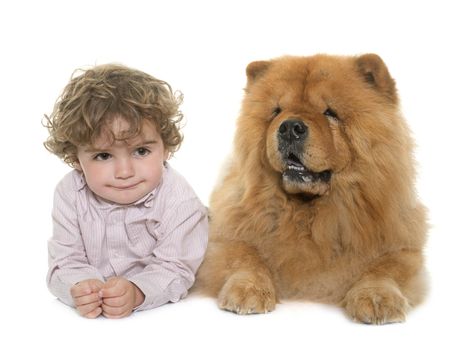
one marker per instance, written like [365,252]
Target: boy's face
[124,171]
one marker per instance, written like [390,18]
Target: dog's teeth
[295,167]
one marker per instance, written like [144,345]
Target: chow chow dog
[318,201]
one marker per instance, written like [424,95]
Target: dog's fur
[324,210]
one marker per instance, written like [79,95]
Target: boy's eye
[102,156]
[142,151]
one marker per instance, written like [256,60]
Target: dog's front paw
[247,293]
[376,304]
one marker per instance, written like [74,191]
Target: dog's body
[318,202]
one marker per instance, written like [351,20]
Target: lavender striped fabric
[157,243]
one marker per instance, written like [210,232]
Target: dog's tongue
[293,160]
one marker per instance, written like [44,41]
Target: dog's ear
[373,70]
[255,69]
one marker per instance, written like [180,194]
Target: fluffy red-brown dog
[318,202]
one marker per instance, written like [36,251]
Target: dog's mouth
[295,171]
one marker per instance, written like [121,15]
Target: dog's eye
[277,110]
[331,114]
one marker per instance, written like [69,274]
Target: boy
[129,231]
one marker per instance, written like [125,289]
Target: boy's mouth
[126,187]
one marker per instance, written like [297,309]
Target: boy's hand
[86,297]
[120,297]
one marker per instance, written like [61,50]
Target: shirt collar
[147,200]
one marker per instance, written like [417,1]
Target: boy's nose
[124,169]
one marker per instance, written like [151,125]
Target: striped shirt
[157,243]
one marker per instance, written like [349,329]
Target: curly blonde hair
[93,99]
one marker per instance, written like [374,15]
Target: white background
[202,48]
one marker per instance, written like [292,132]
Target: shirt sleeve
[68,263]
[177,256]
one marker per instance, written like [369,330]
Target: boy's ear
[76,165]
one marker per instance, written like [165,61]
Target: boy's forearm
[157,291]
[60,281]
[175,261]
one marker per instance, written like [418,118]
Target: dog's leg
[235,273]
[384,294]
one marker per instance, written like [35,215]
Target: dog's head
[310,118]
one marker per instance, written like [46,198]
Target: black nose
[292,130]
